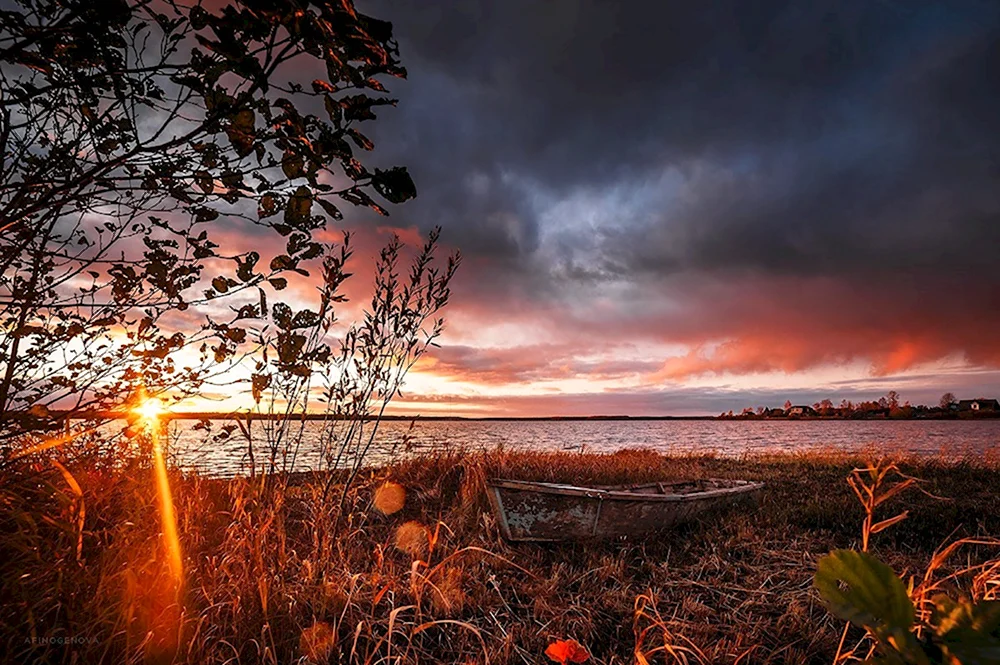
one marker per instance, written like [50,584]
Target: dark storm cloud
[854,143]
[835,122]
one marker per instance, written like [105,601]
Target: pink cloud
[747,324]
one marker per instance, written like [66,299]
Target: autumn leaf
[260,382]
[319,85]
[241,131]
[299,206]
[567,651]
[292,165]
[268,206]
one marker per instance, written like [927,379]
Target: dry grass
[273,577]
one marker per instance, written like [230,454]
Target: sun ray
[151,410]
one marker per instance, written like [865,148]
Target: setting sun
[150,409]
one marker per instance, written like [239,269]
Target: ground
[272,576]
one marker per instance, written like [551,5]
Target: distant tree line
[887,406]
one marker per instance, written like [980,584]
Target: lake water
[193,450]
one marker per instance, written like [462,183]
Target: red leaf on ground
[567,651]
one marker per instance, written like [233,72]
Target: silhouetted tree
[130,132]
[947,400]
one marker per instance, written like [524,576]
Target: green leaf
[859,588]
[972,649]
[949,615]
[966,631]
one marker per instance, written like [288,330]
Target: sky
[681,208]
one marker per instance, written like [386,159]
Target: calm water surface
[192,450]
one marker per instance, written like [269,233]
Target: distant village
[889,406]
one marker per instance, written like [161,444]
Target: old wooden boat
[534,511]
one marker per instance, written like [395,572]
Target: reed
[270,575]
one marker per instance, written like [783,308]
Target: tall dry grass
[272,576]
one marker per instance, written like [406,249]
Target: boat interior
[663,488]
[675,487]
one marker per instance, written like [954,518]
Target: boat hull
[527,511]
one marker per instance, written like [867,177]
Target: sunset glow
[497,331]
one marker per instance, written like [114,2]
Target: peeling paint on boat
[528,513]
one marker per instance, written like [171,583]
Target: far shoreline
[232,415]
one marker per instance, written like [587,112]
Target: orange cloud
[503,333]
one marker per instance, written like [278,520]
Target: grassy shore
[272,576]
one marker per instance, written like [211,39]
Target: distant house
[981,404]
[776,412]
[802,410]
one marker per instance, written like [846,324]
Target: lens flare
[150,411]
[49,443]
